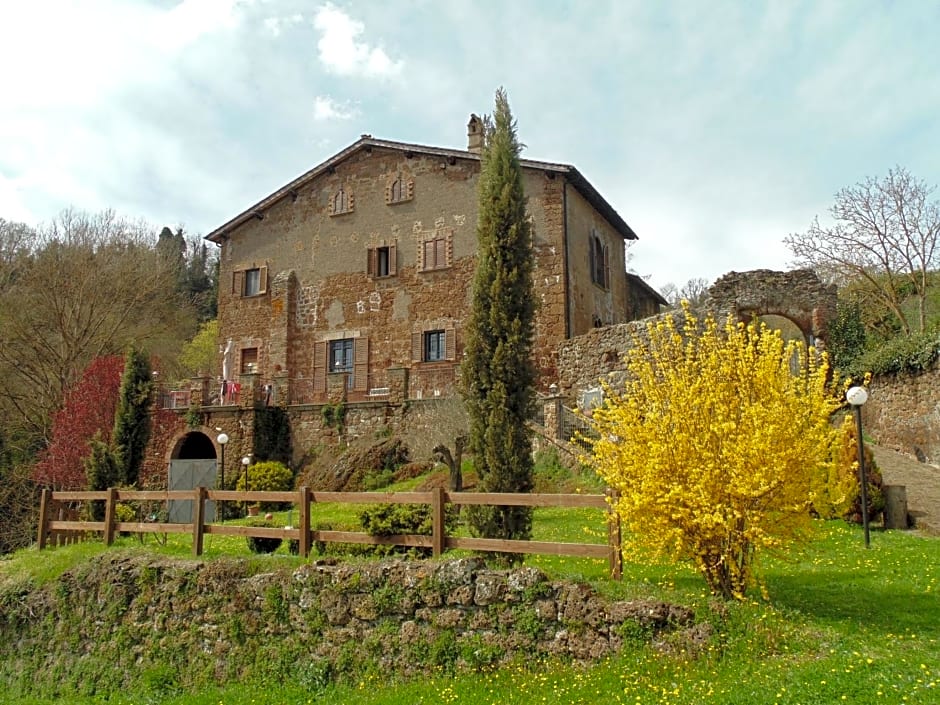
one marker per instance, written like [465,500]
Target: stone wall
[116,616]
[596,356]
[903,413]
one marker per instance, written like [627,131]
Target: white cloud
[276,25]
[341,53]
[325,108]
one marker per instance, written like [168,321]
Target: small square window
[382,261]
[249,361]
[434,350]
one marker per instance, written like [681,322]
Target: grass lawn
[842,625]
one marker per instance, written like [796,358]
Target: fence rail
[52,526]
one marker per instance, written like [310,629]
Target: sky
[714,128]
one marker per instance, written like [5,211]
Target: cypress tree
[132,417]
[497,373]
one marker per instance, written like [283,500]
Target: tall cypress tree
[497,372]
[132,417]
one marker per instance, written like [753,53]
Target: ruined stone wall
[596,356]
[903,413]
[797,295]
[114,617]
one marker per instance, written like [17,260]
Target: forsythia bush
[717,448]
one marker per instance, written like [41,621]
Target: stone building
[348,288]
[362,267]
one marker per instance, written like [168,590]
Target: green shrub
[913,353]
[267,476]
[262,544]
[378,479]
[396,519]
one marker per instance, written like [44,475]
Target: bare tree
[87,286]
[884,239]
[693,291]
[436,429]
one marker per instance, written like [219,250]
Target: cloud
[276,25]
[339,51]
[325,108]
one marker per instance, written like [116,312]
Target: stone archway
[193,463]
[798,296]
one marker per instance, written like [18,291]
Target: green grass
[842,625]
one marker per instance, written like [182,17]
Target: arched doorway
[193,463]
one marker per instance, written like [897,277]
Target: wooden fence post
[614,536]
[110,505]
[437,519]
[199,515]
[45,509]
[304,520]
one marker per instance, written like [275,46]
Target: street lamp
[856,396]
[246,461]
[222,438]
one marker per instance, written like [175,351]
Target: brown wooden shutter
[392,260]
[427,255]
[372,261]
[262,280]
[319,367]
[440,253]
[238,283]
[450,342]
[591,257]
[360,364]
[416,347]
[606,267]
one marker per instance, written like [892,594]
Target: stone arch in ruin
[798,296]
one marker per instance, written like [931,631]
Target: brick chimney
[475,134]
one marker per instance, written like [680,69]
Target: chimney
[475,134]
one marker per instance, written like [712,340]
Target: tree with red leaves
[88,410]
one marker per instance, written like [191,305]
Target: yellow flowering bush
[719,444]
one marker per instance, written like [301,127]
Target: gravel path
[923,486]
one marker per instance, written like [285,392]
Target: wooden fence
[438,498]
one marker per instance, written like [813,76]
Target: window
[436,249]
[599,262]
[341,202]
[382,261]
[434,346]
[341,355]
[399,190]
[250,282]
[249,361]
[348,355]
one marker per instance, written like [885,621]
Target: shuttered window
[250,282]
[382,261]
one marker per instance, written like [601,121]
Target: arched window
[600,262]
[399,190]
[341,202]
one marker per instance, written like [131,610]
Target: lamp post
[246,461]
[856,397]
[222,438]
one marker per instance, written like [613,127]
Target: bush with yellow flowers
[718,444]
